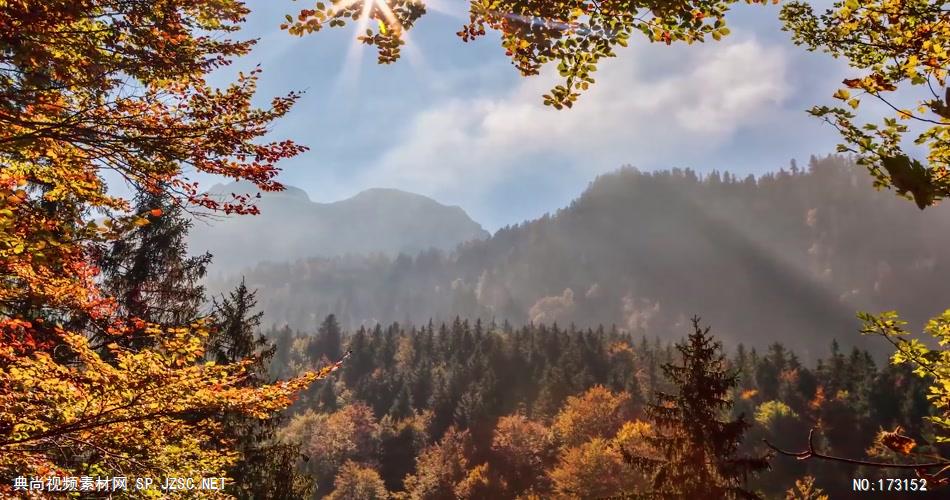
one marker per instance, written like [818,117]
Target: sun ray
[413,55]
[349,77]
[388,14]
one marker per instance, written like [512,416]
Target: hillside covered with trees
[477,410]
[798,252]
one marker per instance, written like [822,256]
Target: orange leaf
[898,442]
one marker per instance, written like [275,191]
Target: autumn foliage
[573,35]
[87,87]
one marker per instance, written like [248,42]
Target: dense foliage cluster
[897,45]
[102,349]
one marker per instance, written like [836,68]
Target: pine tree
[150,273]
[402,406]
[328,342]
[266,469]
[236,336]
[696,449]
[326,397]
[283,342]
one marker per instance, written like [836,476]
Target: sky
[456,122]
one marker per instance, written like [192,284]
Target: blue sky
[455,121]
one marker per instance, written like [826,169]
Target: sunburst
[349,77]
[354,55]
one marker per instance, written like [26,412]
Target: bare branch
[811,452]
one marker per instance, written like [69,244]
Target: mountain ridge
[291,226]
[801,251]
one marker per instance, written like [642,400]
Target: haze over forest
[797,251]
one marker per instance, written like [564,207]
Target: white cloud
[652,103]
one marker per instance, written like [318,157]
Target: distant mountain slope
[292,227]
[790,256]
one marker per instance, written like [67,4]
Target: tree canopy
[103,85]
[574,35]
[895,45]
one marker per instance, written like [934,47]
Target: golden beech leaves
[99,85]
[138,414]
[598,412]
[896,45]
[932,364]
[593,469]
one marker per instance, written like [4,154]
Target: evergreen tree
[402,406]
[328,342]
[283,341]
[150,274]
[696,449]
[326,397]
[154,280]
[266,469]
[236,334]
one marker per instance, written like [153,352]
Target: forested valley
[495,409]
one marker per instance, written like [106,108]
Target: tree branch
[811,452]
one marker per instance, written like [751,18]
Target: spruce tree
[402,406]
[283,340]
[150,274]
[695,446]
[326,399]
[266,469]
[152,278]
[236,334]
[328,342]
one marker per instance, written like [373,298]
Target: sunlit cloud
[698,102]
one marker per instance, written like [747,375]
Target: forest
[668,335]
[472,410]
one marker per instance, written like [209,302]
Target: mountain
[291,226]
[789,256]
